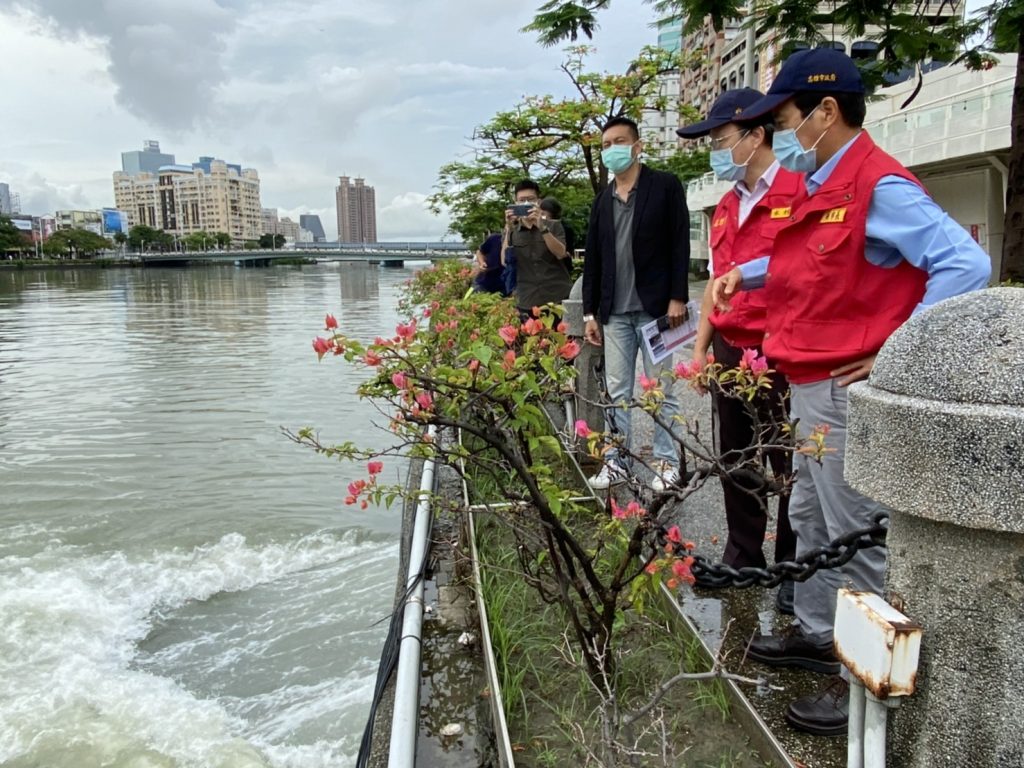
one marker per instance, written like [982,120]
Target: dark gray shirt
[541,277]
[625,299]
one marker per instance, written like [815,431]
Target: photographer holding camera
[539,247]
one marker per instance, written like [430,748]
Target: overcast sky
[303,91]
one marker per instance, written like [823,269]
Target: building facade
[5,200]
[90,220]
[357,211]
[311,223]
[149,160]
[210,196]
[272,224]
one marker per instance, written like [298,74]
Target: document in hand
[661,341]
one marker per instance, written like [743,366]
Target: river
[180,585]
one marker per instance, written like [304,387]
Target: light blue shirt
[905,223]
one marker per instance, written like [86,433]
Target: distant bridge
[389,253]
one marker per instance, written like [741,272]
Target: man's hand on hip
[592,333]
[855,371]
[676,313]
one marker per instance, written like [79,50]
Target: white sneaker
[610,474]
[665,476]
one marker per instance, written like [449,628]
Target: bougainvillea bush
[463,363]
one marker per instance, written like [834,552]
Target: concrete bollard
[937,434]
[588,389]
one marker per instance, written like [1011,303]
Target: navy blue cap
[816,69]
[728,108]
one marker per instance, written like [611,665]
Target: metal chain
[839,552]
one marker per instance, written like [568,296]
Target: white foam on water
[69,696]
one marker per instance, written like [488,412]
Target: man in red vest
[743,227]
[866,249]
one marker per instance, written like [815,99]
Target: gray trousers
[823,506]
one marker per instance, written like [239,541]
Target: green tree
[272,241]
[141,237]
[906,38]
[12,239]
[199,241]
[223,239]
[75,243]
[120,238]
[555,142]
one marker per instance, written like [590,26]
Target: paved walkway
[701,518]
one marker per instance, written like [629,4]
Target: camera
[522,209]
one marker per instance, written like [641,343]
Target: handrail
[405,716]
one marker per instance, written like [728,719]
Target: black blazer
[661,246]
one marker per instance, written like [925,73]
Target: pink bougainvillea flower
[321,347]
[375,467]
[474,365]
[562,327]
[350,499]
[569,350]
[425,400]
[535,311]
[648,384]
[759,365]
[674,535]
[330,322]
[510,360]
[508,333]
[681,568]
[582,429]
[363,504]
[532,327]
[652,567]
[372,358]
[747,358]
[400,380]
[407,330]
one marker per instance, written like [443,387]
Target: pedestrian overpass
[391,254]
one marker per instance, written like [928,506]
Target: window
[864,49]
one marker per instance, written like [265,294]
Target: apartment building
[210,195]
[357,211]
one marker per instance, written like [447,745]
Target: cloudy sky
[302,91]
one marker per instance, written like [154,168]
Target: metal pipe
[855,729]
[404,720]
[874,732]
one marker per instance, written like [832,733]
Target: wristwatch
[589,318]
[545,229]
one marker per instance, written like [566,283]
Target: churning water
[180,585]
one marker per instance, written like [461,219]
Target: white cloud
[302,90]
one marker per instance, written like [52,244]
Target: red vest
[731,245]
[829,305]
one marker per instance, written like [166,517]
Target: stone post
[937,434]
[587,388]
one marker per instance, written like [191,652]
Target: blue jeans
[622,341]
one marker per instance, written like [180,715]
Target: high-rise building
[357,211]
[312,224]
[90,220]
[210,195]
[149,160]
[272,224]
[5,200]
[733,59]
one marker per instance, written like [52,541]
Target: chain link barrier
[839,552]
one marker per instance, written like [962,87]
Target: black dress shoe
[825,713]
[784,599]
[791,648]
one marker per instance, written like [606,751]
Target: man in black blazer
[636,269]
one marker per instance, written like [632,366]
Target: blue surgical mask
[791,153]
[618,157]
[725,167]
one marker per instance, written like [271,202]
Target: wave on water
[71,629]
